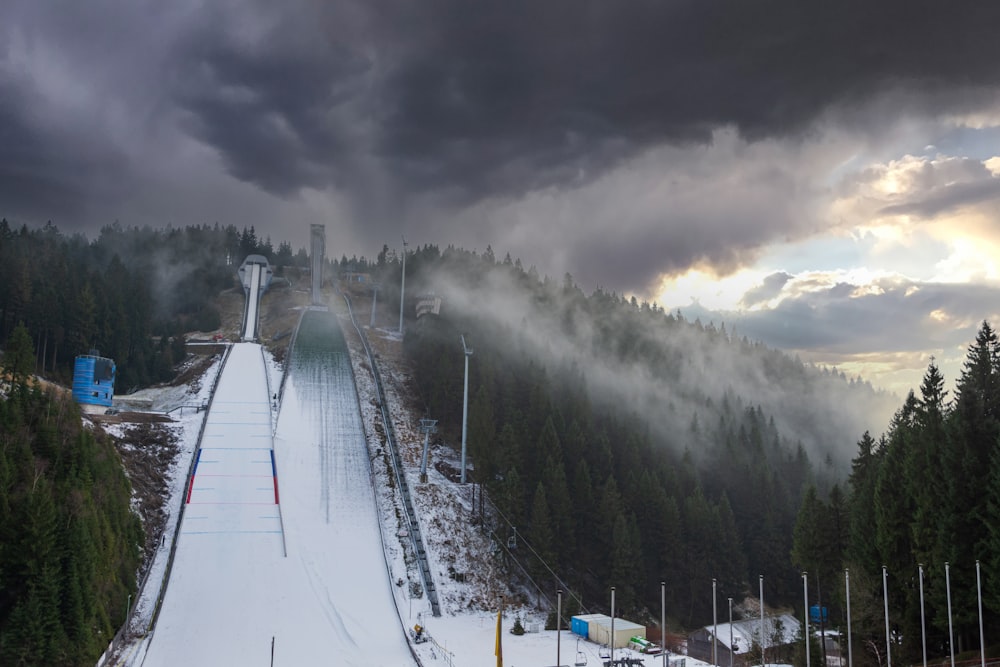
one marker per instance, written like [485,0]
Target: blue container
[814,614]
[580,625]
[93,380]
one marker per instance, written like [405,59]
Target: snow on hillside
[465,633]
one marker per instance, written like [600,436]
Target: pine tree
[861,549]
[965,467]
[19,357]
[542,537]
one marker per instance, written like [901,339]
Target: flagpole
[715,628]
[923,625]
[982,637]
[847,588]
[951,634]
[498,650]
[885,602]
[805,596]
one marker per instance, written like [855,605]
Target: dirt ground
[147,451]
[280,309]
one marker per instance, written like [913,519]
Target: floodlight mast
[465,403]
[402,287]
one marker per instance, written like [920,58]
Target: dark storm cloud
[48,170]
[895,316]
[494,97]
[391,107]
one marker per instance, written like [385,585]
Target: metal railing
[413,526]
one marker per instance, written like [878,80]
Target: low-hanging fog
[692,368]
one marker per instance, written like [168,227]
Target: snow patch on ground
[467,579]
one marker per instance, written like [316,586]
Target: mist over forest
[669,371]
[625,444]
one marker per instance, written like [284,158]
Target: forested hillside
[627,444]
[925,493]
[130,293]
[69,542]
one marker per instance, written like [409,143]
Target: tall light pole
[402,287]
[465,403]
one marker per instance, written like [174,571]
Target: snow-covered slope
[233,596]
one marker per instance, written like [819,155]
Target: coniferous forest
[130,293]
[69,541]
[710,477]
[626,444]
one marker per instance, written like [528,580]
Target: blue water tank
[93,380]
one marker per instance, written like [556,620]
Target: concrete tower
[318,250]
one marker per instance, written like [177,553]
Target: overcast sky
[825,177]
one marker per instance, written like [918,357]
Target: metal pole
[731,648]
[465,403]
[663,621]
[715,627]
[805,595]
[763,655]
[923,626]
[371,323]
[402,288]
[982,639]
[558,625]
[885,604]
[612,640]
[847,586]
[951,635]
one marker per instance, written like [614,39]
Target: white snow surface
[233,593]
[342,595]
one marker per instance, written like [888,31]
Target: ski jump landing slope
[233,595]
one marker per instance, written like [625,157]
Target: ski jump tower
[318,249]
